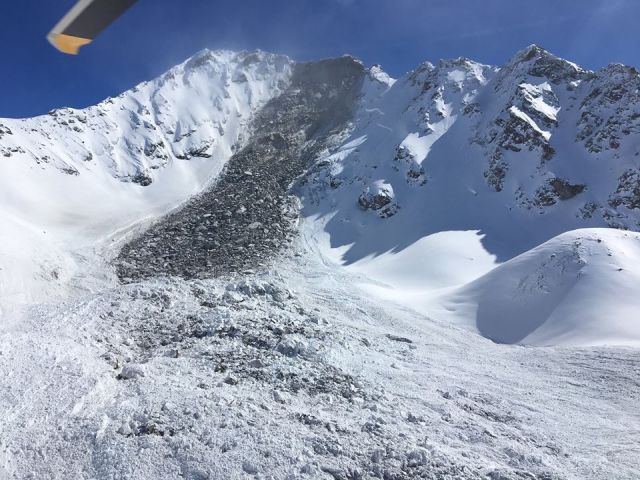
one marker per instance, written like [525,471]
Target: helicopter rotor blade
[84,22]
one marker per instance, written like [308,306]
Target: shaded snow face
[577,289]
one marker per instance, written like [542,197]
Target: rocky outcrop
[405,162]
[516,133]
[628,191]
[380,199]
[611,110]
[4,130]
[203,150]
[556,190]
[543,64]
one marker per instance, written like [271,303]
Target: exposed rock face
[520,133]
[628,192]
[203,150]
[611,110]
[406,162]
[527,86]
[4,130]
[142,179]
[248,215]
[542,96]
[379,198]
[376,201]
[556,190]
[550,67]
[532,97]
[565,190]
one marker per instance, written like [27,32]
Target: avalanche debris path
[248,215]
[242,377]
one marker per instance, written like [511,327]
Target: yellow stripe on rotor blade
[67,43]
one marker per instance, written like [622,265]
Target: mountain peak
[532,52]
[621,69]
[535,61]
[456,62]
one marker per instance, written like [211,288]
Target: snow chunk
[131,372]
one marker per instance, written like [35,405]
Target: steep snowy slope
[458,167]
[521,154]
[74,177]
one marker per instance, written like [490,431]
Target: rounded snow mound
[581,288]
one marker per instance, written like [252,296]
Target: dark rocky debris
[248,215]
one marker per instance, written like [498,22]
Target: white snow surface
[381,346]
[176,379]
[580,288]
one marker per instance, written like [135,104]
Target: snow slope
[74,178]
[296,373]
[580,288]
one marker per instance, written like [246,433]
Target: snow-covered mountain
[521,153]
[72,178]
[257,268]
[518,155]
[507,158]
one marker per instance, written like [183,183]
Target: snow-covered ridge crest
[182,114]
[74,177]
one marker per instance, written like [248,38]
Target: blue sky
[399,34]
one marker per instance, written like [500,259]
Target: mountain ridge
[517,154]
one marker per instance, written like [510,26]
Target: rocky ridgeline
[541,134]
[546,96]
[248,215]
